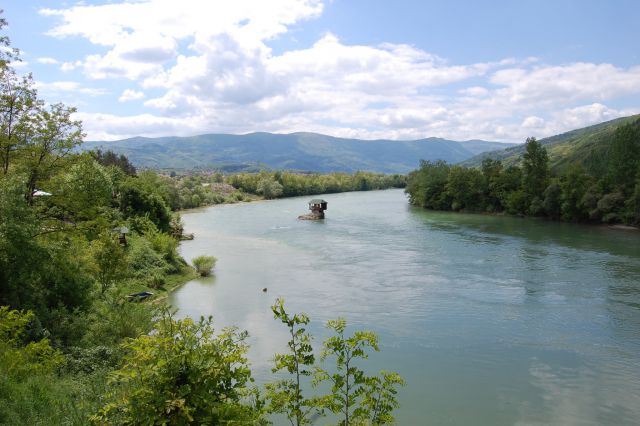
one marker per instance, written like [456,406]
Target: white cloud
[47,61]
[58,87]
[533,122]
[130,95]
[70,66]
[213,68]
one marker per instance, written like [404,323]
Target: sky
[406,69]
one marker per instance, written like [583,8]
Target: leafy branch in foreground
[357,398]
[285,395]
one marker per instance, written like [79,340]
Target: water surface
[491,320]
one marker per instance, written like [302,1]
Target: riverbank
[174,282]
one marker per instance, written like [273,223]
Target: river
[491,320]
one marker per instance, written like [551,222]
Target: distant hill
[582,146]
[295,151]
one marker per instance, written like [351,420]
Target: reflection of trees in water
[575,236]
[623,297]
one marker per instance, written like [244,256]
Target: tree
[110,261]
[138,199]
[110,158]
[465,188]
[183,373]
[84,191]
[269,187]
[551,203]
[535,168]
[427,185]
[574,184]
[285,396]
[18,106]
[53,137]
[491,171]
[624,157]
[355,397]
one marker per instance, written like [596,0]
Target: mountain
[295,151]
[582,146]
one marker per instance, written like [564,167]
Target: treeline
[287,184]
[79,233]
[190,191]
[605,191]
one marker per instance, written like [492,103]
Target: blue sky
[496,70]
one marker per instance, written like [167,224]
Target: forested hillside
[602,185]
[296,151]
[585,147]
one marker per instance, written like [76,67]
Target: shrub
[183,373]
[204,264]
[157,280]
[144,260]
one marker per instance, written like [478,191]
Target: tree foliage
[183,373]
[285,396]
[575,194]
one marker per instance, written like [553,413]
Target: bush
[183,373]
[204,264]
[157,280]
[144,260]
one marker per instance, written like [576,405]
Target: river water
[491,320]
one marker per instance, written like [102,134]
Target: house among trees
[122,232]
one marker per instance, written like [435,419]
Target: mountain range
[321,153]
[296,151]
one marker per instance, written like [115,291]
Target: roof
[317,201]
[121,229]
[38,193]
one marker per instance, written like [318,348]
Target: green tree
[427,185]
[551,203]
[574,184]
[182,374]
[285,396]
[624,157]
[355,397]
[465,188]
[269,187]
[110,261]
[138,198]
[18,105]
[535,169]
[379,398]
[84,191]
[55,135]
[491,171]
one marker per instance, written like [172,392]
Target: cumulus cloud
[47,61]
[70,66]
[211,65]
[58,87]
[130,95]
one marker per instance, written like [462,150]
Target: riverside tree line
[606,190]
[75,350]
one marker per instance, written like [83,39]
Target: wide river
[491,320]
